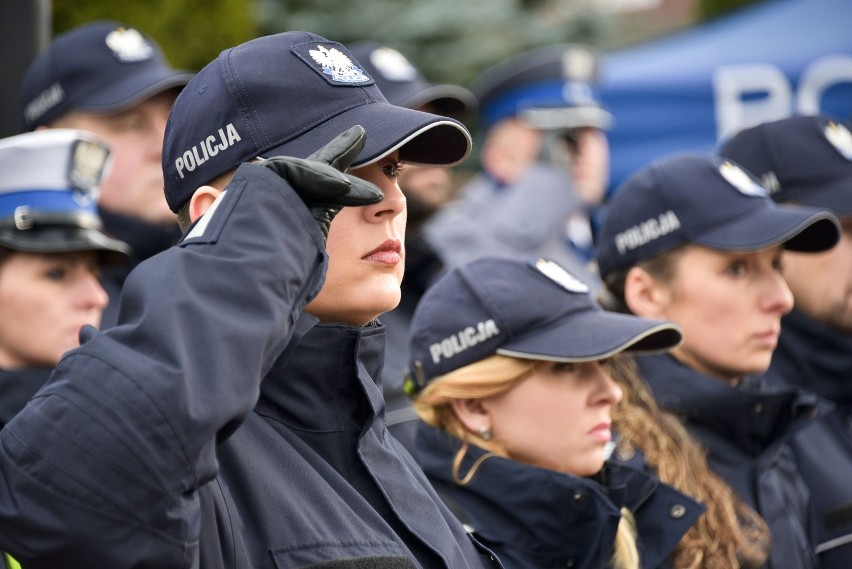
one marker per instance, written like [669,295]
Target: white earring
[484,433]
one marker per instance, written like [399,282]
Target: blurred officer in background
[808,161]
[545,164]
[110,79]
[695,239]
[52,250]
[426,188]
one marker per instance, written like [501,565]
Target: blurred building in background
[690,90]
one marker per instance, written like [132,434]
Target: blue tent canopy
[688,91]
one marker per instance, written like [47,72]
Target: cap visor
[595,335]
[421,138]
[58,239]
[133,89]
[797,228]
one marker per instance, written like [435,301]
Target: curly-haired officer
[696,239]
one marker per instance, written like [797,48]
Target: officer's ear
[472,414]
[201,201]
[204,196]
[644,295]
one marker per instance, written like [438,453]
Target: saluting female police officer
[234,417]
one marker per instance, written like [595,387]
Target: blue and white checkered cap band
[51,177]
[550,104]
[69,200]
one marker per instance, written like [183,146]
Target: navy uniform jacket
[818,359]
[17,387]
[746,434]
[114,463]
[422,266]
[533,517]
[522,220]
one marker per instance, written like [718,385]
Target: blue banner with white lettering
[691,90]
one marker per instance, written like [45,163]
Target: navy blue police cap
[404,85]
[102,67]
[526,309]
[48,192]
[704,200]
[290,94]
[802,159]
[551,87]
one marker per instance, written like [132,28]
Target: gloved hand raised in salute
[321,181]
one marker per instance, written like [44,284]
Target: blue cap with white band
[551,87]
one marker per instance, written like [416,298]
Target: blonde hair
[730,533]
[486,378]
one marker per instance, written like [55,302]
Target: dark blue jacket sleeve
[102,467]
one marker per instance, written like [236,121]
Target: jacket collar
[311,384]
[751,418]
[815,357]
[542,513]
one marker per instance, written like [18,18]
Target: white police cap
[48,193]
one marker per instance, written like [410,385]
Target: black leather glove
[320,179]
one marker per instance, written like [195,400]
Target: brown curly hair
[730,533]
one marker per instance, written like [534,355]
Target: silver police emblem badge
[86,170]
[337,65]
[560,276]
[392,65]
[128,45]
[738,178]
[579,64]
[839,137]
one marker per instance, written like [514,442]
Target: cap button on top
[677,511]
[578,496]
